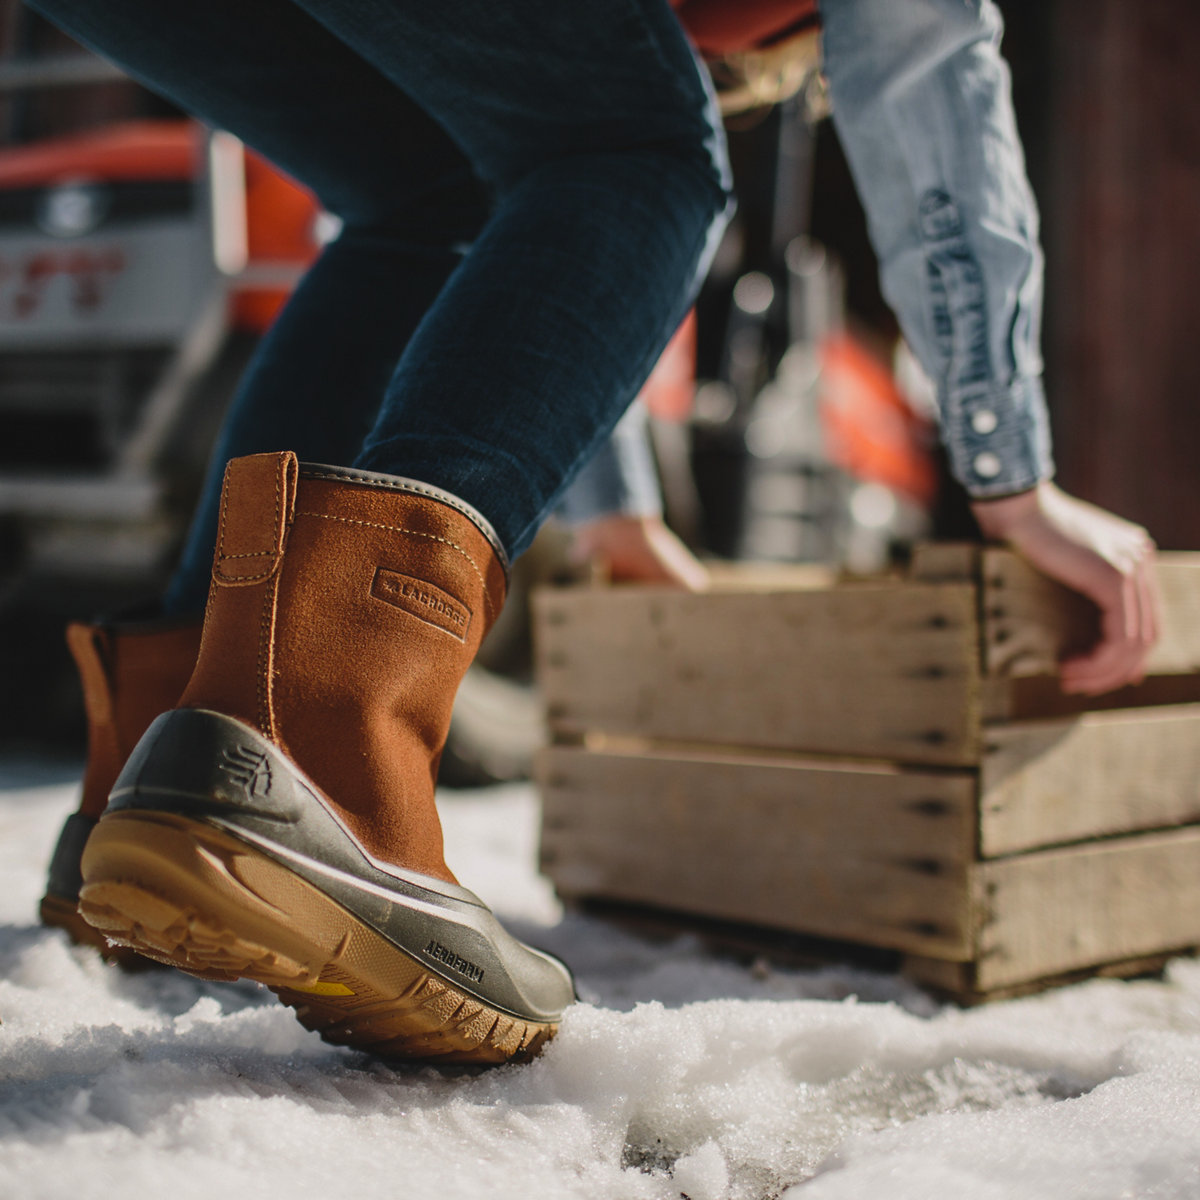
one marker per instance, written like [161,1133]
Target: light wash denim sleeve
[921,102]
[620,478]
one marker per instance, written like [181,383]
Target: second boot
[131,669]
[280,824]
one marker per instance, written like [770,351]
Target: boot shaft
[130,672]
[344,611]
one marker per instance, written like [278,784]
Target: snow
[679,1074]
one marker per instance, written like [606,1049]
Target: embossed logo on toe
[422,600]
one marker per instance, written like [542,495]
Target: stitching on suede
[433,537]
[224,514]
[416,489]
[257,553]
[264,663]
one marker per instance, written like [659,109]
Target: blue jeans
[529,190]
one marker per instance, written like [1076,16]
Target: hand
[640,550]
[1106,558]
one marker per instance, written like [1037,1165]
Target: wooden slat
[943,975]
[883,671]
[1059,910]
[958,981]
[1045,783]
[1032,697]
[880,856]
[769,576]
[1029,622]
[946,562]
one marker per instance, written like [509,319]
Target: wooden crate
[885,762]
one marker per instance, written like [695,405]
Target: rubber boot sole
[197,898]
[60,905]
[57,912]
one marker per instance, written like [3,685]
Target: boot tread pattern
[57,912]
[198,899]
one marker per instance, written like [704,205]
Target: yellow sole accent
[323,989]
[199,899]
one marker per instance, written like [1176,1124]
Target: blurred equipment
[803,446]
[129,291]
[141,257]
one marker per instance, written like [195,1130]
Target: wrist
[999,516]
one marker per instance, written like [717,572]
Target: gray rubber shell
[213,769]
[64,879]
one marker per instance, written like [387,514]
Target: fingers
[1115,659]
[1108,559]
[634,549]
[1149,597]
[1130,624]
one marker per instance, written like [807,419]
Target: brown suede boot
[280,824]
[130,671]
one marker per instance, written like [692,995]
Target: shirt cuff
[998,437]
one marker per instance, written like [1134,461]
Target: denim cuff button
[984,421]
[987,465]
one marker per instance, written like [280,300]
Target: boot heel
[196,898]
[194,762]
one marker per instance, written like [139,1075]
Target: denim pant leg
[922,104]
[594,125]
[407,197]
[317,379]
[593,128]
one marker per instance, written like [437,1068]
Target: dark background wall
[1122,209]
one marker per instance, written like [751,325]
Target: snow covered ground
[679,1074]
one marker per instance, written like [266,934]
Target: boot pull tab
[257,505]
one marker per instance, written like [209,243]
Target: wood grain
[1059,910]
[1045,783]
[1029,621]
[887,670]
[876,855]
